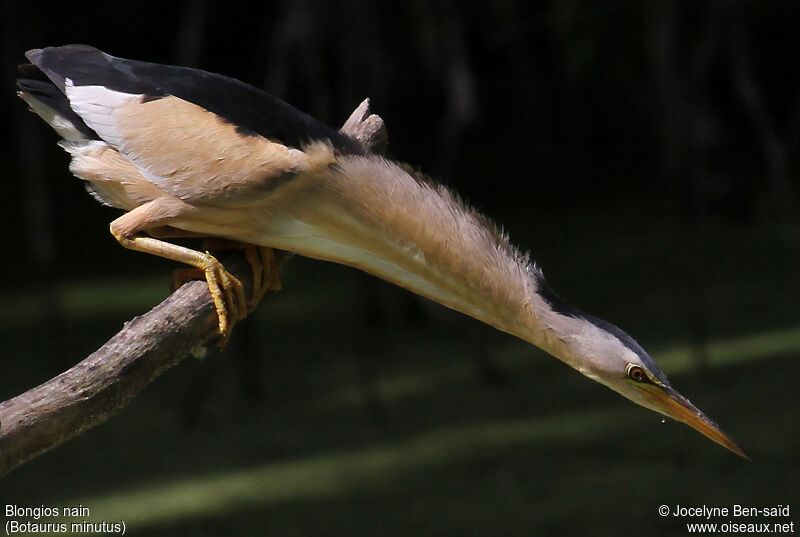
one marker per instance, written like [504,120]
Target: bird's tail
[48,102]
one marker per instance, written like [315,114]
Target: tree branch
[107,380]
[98,387]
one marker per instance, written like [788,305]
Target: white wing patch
[97,105]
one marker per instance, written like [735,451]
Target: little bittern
[185,151]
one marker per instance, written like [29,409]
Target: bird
[185,152]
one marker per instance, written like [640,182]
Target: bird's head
[607,354]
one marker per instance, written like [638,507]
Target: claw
[226,291]
[265,273]
[262,263]
[230,308]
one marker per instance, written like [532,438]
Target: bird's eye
[636,373]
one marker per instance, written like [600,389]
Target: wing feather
[183,148]
[202,137]
[252,110]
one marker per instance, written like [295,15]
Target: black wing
[252,110]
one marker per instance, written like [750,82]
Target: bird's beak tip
[671,403]
[729,444]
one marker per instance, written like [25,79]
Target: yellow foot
[230,308]
[262,263]
[265,273]
[226,291]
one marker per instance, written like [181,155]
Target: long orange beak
[668,401]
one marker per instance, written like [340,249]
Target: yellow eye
[636,373]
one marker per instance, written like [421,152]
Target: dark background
[645,152]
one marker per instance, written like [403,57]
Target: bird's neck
[373,215]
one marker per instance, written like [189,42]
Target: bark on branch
[105,382]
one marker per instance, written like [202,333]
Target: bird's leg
[261,259]
[226,291]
